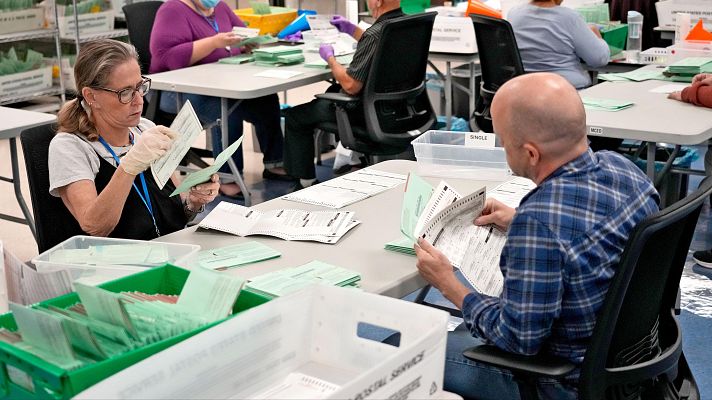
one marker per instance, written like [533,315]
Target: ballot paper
[25,285]
[322,31]
[345,59]
[347,189]
[244,32]
[289,280]
[236,255]
[209,294]
[447,223]
[319,226]
[187,127]
[203,175]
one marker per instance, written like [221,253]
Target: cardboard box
[667,12]
[452,32]
[21,20]
[88,23]
[312,332]
[26,83]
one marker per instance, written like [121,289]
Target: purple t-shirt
[177,26]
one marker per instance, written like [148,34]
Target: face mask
[209,3]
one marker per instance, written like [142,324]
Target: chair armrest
[339,97]
[538,365]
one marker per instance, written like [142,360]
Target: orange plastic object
[699,32]
[478,7]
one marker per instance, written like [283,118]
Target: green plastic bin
[51,382]
[615,36]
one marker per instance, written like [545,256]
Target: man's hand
[343,25]
[495,212]
[326,51]
[435,268]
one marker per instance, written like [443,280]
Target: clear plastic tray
[444,154]
[108,262]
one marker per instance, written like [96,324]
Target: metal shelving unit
[38,34]
[79,39]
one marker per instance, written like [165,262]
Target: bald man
[563,241]
[300,121]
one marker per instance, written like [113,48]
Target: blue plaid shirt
[562,249]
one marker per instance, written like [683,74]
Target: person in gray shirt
[554,39]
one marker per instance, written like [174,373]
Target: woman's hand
[203,193]
[224,39]
[149,146]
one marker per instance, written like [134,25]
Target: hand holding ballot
[148,147]
[204,193]
[497,213]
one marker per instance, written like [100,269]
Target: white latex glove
[149,146]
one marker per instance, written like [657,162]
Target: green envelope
[204,174]
[417,194]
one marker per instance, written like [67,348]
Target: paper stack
[236,255]
[282,282]
[403,245]
[278,55]
[106,324]
[691,66]
[605,104]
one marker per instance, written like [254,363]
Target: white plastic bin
[312,332]
[96,271]
[444,154]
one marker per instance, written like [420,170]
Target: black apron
[135,221]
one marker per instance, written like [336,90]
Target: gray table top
[384,272]
[15,121]
[234,81]
[653,117]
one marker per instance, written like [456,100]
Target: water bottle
[635,36]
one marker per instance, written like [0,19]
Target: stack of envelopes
[106,324]
[403,245]
[278,55]
[280,283]
[605,104]
[691,66]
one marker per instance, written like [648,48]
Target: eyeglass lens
[126,95]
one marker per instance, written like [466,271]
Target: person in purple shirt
[192,32]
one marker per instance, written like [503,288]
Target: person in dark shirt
[303,119]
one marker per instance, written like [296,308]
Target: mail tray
[444,154]
[25,376]
[175,253]
[313,332]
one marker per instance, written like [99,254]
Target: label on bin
[479,139]
[595,130]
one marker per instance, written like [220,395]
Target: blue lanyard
[213,23]
[144,197]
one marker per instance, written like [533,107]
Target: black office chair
[395,103]
[499,61]
[139,22]
[635,351]
[53,222]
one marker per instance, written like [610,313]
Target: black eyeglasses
[127,95]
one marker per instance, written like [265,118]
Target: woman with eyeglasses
[192,32]
[100,158]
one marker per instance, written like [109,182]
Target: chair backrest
[499,61]
[396,104]
[637,337]
[53,222]
[139,22]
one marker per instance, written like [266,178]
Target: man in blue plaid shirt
[564,240]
